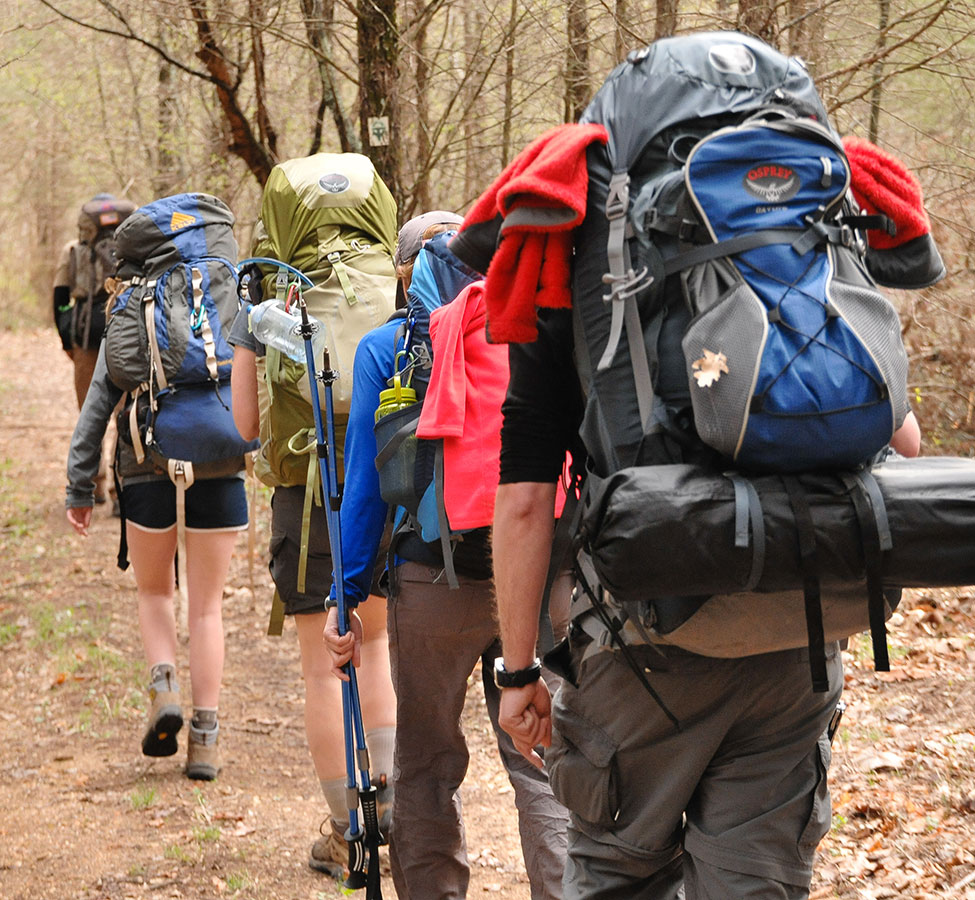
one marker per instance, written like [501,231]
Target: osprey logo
[772,183]
[334,183]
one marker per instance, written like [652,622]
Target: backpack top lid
[691,77]
[302,195]
[100,215]
[176,229]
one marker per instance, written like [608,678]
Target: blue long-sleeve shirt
[363,513]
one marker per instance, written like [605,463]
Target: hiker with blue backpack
[724,371]
[331,218]
[165,364]
[427,393]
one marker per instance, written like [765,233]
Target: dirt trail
[83,816]
[82,813]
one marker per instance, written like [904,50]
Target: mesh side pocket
[876,323]
[736,328]
[397,482]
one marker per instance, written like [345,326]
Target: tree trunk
[622,30]
[877,90]
[166,176]
[378,92]
[666,19]
[577,86]
[509,85]
[258,156]
[758,18]
[318,21]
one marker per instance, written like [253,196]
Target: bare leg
[376,693]
[208,556]
[152,554]
[323,699]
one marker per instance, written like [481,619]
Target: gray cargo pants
[729,807]
[436,636]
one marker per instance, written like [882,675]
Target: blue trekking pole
[361,840]
[365,838]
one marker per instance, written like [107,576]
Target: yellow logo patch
[181,220]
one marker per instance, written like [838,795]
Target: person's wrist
[516,678]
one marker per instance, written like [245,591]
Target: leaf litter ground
[83,815]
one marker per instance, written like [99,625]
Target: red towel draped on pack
[531,210]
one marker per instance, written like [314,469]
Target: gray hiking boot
[330,853]
[202,753]
[165,718]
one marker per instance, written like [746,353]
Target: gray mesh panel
[876,323]
[735,326]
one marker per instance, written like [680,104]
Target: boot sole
[201,772]
[160,739]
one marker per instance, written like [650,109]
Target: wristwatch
[519,677]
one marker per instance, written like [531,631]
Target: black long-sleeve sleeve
[544,404]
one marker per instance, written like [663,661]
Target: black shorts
[287,507]
[212,504]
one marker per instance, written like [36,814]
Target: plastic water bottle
[275,327]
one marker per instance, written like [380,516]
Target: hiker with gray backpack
[164,366]
[732,386]
[79,295]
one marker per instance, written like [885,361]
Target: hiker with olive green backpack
[331,217]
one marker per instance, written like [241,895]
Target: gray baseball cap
[411,234]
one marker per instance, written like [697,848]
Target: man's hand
[526,714]
[343,647]
[79,518]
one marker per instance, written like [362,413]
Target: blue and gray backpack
[173,302]
[725,320]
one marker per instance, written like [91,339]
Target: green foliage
[143,797]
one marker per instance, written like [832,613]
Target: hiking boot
[330,853]
[202,753]
[384,806]
[165,718]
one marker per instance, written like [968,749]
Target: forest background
[144,98]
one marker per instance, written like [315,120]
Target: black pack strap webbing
[613,627]
[802,241]
[809,569]
[748,515]
[566,529]
[871,514]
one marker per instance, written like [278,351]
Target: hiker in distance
[689,773]
[214,509]
[80,295]
[353,206]
[441,606]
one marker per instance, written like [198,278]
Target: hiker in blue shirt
[427,849]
